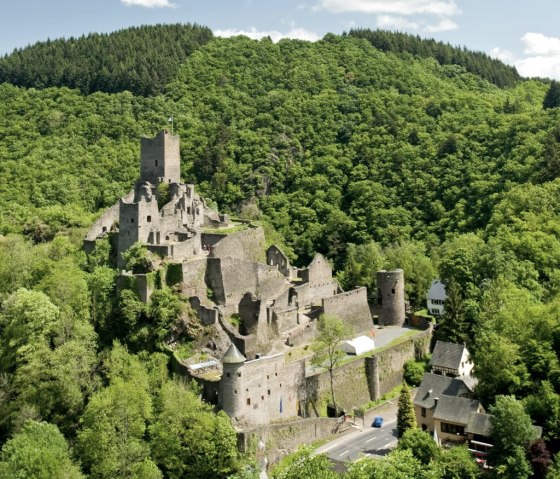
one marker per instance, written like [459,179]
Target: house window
[227,375]
[132,220]
[149,219]
[452,428]
[156,162]
[238,375]
[393,290]
[423,412]
[424,427]
[104,229]
[269,392]
[248,401]
[262,398]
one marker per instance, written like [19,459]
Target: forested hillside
[478,63]
[139,59]
[376,159]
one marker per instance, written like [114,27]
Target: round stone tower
[231,384]
[390,296]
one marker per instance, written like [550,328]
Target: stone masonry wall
[385,369]
[350,385]
[239,277]
[352,307]
[160,158]
[247,244]
[269,390]
[104,223]
[367,378]
[284,438]
[193,281]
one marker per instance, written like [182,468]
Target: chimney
[436,401]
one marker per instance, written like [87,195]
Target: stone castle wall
[248,244]
[104,223]
[237,277]
[390,294]
[367,378]
[193,278]
[160,158]
[284,438]
[264,390]
[352,307]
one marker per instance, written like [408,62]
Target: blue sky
[521,32]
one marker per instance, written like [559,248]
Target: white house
[453,360]
[436,298]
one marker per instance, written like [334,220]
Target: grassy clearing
[226,231]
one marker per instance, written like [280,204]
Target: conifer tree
[552,97]
[406,418]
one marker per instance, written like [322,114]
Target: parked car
[377,421]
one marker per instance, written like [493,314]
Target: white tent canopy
[357,346]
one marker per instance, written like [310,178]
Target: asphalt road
[368,441]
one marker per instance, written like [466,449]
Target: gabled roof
[437,290]
[470,381]
[479,423]
[318,258]
[447,355]
[435,385]
[233,356]
[455,409]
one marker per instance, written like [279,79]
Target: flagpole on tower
[170,120]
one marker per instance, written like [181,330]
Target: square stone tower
[160,159]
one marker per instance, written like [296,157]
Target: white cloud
[394,22]
[539,44]
[295,33]
[389,22]
[504,55]
[542,56]
[148,3]
[444,25]
[539,66]
[395,7]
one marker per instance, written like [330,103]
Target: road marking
[369,440]
[334,444]
[345,452]
[387,445]
[327,449]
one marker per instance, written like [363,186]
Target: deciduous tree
[332,331]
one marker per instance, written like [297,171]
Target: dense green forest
[376,159]
[478,63]
[139,59]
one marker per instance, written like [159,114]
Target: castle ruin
[258,306]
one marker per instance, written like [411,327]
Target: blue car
[377,421]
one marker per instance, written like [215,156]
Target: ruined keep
[256,307]
[172,230]
[390,297]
